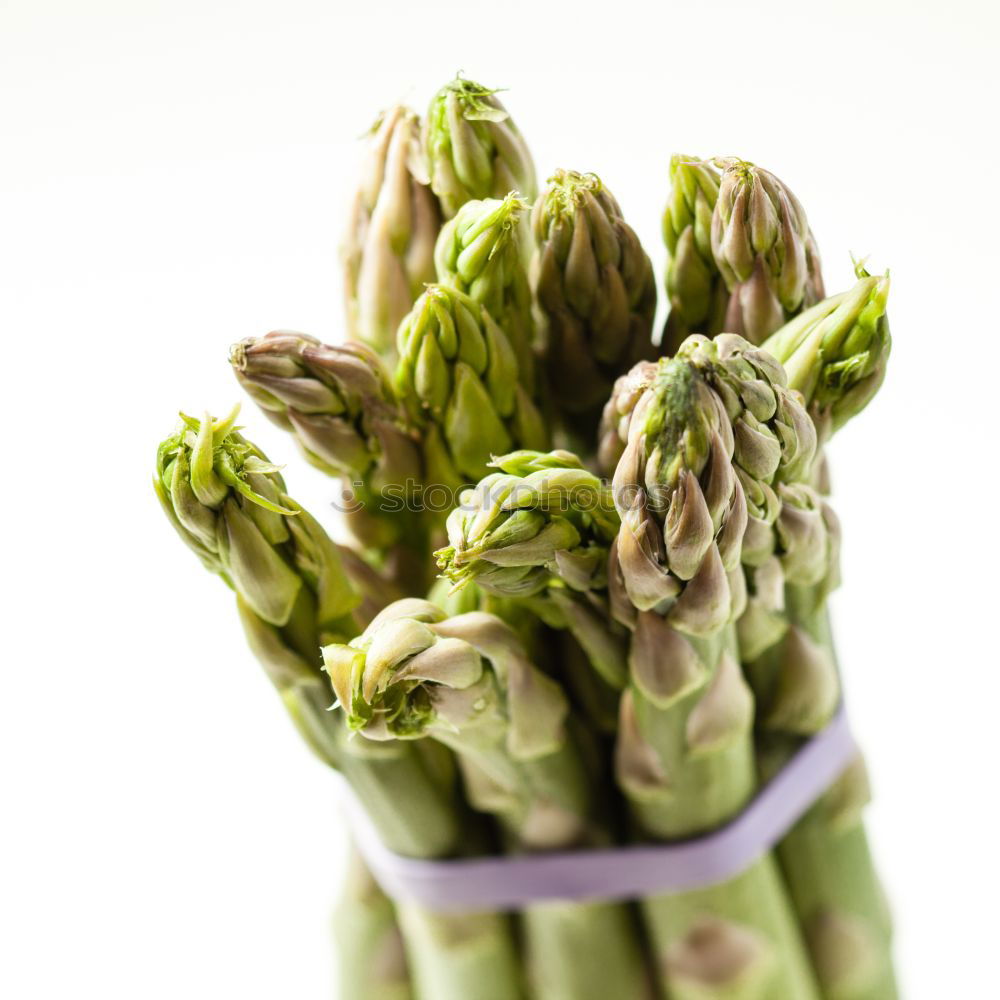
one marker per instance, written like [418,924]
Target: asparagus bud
[764,249]
[775,440]
[483,252]
[541,516]
[595,292]
[228,503]
[836,353]
[473,148]
[413,670]
[387,251]
[541,529]
[337,402]
[459,377]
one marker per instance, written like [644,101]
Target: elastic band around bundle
[510,882]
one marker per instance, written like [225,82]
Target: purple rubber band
[509,882]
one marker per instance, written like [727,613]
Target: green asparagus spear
[703,444]
[228,504]
[540,530]
[467,682]
[836,355]
[388,250]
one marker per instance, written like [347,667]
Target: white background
[175,176]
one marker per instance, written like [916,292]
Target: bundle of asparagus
[626,639]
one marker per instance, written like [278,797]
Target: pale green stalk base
[585,951]
[579,951]
[735,941]
[828,865]
[446,953]
[835,890]
[460,957]
[705,788]
[572,951]
[738,940]
[371,959]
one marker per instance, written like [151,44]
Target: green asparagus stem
[825,857]
[703,444]
[228,504]
[474,150]
[695,288]
[764,249]
[467,682]
[388,250]
[371,957]
[459,377]
[836,358]
[483,252]
[595,292]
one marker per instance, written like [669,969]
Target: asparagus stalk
[825,858]
[764,249]
[483,252]
[459,377]
[372,961]
[474,150]
[388,250]
[228,504]
[595,295]
[467,682]
[836,355]
[695,288]
[704,442]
